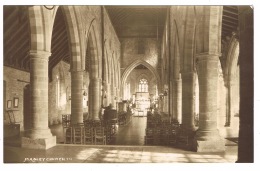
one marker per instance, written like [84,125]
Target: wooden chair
[97,123]
[77,134]
[107,131]
[149,136]
[65,124]
[88,135]
[157,136]
[99,135]
[173,136]
[182,136]
[165,135]
[66,121]
[68,139]
[88,123]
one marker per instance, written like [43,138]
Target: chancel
[131,84]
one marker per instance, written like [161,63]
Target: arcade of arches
[189,67]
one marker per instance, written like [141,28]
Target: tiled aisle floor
[116,154]
[133,133]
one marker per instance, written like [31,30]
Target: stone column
[114,98]
[76,97]
[207,138]
[117,98]
[165,103]
[246,63]
[228,105]
[177,100]
[188,100]
[118,95]
[95,90]
[170,94]
[38,134]
[107,99]
[161,102]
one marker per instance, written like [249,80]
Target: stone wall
[14,88]
[112,43]
[129,48]
[59,105]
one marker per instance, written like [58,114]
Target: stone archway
[129,69]
[231,76]
[93,65]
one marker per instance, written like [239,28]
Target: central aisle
[133,133]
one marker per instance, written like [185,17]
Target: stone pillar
[95,90]
[246,63]
[177,100]
[166,103]
[117,98]
[188,100]
[207,138]
[228,105]
[112,95]
[114,98]
[161,102]
[76,97]
[170,94]
[38,134]
[118,95]
[107,97]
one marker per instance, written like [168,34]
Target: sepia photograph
[128,83]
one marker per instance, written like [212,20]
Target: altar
[142,101]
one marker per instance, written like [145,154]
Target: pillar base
[41,143]
[214,145]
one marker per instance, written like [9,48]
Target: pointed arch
[94,60]
[106,65]
[130,68]
[189,40]
[76,46]
[231,58]
[208,24]
[143,75]
[41,23]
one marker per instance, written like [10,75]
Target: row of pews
[90,132]
[161,130]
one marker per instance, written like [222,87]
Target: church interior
[128,84]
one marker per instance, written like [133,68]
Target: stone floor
[128,148]
[115,154]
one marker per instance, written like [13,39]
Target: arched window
[143,85]
[57,91]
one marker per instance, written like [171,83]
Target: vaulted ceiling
[128,21]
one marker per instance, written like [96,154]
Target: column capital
[39,54]
[207,56]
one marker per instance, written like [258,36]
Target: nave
[99,65]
